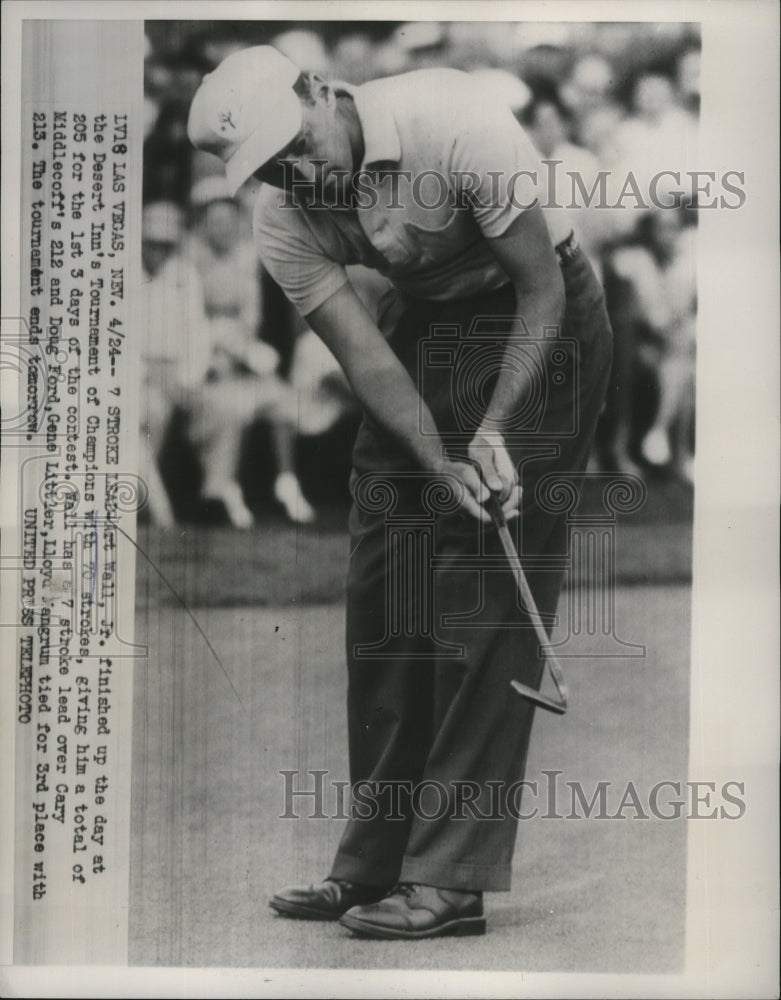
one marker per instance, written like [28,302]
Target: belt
[567,249]
[565,252]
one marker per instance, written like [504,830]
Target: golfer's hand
[465,479]
[474,491]
[497,471]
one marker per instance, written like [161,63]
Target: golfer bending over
[423,178]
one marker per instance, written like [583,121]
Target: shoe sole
[299,911]
[463,927]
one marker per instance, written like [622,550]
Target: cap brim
[265,142]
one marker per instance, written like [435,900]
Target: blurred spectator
[530,35]
[549,126]
[659,135]
[170,80]
[662,275]
[305,49]
[165,146]
[589,85]
[621,97]
[688,79]
[653,313]
[242,384]
[174,341]
[352,58]
[390,58]
[588,94]
[597,130]
[215,49]
[544,51]
[423,43]
[505,87]
[228,268]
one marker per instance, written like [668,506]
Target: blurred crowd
[226,355]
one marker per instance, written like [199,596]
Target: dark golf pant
[435,630]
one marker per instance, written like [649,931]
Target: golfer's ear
[321,90]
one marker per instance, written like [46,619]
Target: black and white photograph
[389,507]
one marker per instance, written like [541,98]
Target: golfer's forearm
[515,384]
[377,377]
[390,398]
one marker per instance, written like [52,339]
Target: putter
[559,706]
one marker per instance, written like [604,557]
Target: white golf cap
[246,111]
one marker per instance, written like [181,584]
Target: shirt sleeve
[497,171]
[292,256]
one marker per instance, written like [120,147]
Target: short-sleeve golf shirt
[444,167]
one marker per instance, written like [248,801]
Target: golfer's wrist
[433,459]
[490,433]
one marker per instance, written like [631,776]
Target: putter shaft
[494,508]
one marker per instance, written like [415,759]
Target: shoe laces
[406,889]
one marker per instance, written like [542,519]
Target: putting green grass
[208,846]
[279,564]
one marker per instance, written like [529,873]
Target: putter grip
[494,508]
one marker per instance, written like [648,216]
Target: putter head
[541,700]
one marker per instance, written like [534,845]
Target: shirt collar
[381,141]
